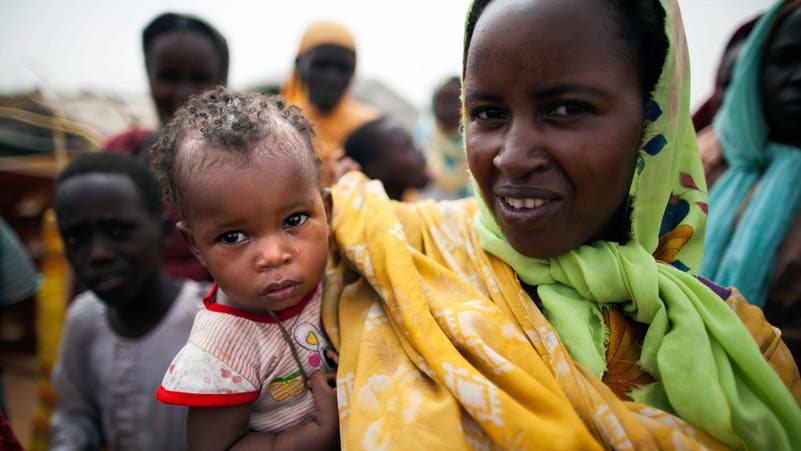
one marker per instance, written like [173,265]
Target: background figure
[119,336]
[439,136]
[385,151]
[324,67]
[18,280]
[754,231]
[703,116]
[184,55]
[18,277]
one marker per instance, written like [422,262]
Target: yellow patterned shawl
[441,348]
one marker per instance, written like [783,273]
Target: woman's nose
[522,150]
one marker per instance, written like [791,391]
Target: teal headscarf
[709,370]
[742,255]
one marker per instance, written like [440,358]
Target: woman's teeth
[524,203]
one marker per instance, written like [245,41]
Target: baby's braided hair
[231,121]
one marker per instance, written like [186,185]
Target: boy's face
[112,242]
[259,226]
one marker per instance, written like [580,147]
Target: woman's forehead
[551,38]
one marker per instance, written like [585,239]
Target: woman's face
[180,64]
[555,115]
[781,81]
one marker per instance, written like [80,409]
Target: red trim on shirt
[205,399]
[283,315]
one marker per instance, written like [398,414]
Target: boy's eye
[296,220]
[231,237]
[73,239]
[119,232]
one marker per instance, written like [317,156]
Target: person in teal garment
[440,136]
[753,161]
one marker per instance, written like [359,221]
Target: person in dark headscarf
[703,116]
[184,55]
[324,68]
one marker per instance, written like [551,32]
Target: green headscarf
[709,369]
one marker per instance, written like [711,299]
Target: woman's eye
[487,113]
[568,109]
[296,220]
[232,237]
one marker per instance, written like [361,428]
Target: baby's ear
[328,203]
[189,238]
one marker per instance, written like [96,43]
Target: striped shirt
[234,357]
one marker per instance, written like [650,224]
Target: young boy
[242,171]
[120,333]
[385,151]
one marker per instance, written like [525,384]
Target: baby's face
[260,227]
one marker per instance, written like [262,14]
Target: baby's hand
[325,400]
[326,415]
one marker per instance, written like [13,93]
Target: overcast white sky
[408,44]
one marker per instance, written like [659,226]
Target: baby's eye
[231,237]
[296,220]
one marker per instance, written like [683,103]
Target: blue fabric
[18,276]
[741,252]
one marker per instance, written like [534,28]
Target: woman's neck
[136,319]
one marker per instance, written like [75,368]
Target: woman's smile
[518,207]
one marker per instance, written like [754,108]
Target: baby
[241,170]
